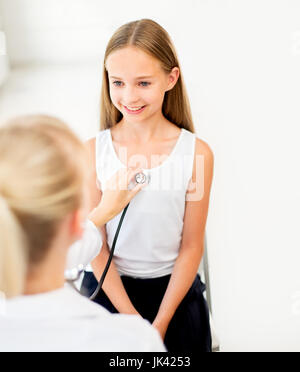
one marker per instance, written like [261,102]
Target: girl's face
[138,83]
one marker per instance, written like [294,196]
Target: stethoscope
[72,276]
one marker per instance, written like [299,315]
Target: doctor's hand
[116,195]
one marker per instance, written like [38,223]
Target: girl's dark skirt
[189,329]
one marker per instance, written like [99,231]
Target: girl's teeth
[135,109]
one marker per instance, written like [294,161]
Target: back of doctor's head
[154,40]
[41,182]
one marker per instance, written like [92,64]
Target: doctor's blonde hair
[41,182]
[153,39]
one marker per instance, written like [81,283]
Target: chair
[204,272]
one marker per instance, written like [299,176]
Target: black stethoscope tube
[100,284]
[140,178]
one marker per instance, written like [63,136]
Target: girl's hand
[161,327]
[115,196]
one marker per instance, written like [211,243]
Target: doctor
[43,204]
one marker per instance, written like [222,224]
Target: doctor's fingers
[122,178]
[136,189]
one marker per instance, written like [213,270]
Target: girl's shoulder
[203,148]
[91,144]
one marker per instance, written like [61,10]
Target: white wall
[3,54]
[64,30]
[241,63]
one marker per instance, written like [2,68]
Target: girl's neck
[144,131]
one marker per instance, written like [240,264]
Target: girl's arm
[113,285]
[192,245]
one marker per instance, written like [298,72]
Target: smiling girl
[146,121]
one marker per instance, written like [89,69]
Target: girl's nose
[130,96]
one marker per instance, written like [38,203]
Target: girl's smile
[134,110]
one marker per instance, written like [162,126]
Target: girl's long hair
[153,39]
[41,182]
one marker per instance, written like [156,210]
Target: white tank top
[150,237]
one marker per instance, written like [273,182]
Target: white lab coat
[63,320]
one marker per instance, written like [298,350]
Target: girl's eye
[144,84]
[117,83]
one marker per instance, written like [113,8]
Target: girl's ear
[173,78]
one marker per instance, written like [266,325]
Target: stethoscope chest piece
[141,178]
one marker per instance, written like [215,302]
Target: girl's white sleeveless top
[150,237]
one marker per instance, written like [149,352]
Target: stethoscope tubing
[100,284]
[139,178]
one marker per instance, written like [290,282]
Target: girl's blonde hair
[153,39]
[41,182]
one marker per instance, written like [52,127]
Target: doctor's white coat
[63,320]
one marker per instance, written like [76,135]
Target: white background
[3,56]
[241,63]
